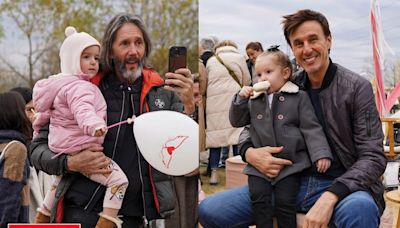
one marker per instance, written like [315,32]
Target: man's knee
[359,201]
[205,212]
[202,209]
[357,210]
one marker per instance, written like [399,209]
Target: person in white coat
[227,73]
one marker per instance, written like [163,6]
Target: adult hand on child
[89,161]
[262,159]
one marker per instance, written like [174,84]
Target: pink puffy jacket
[75,108]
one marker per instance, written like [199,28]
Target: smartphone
[177,58]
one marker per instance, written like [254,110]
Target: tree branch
[13,69]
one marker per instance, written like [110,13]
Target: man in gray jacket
[350,193]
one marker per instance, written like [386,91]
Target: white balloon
[169,141]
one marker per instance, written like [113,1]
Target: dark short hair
[26,93]
[12,115]
[292,21]
[256,46]
[110,35]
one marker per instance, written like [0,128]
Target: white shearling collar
[289,87]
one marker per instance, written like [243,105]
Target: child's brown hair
[282,58]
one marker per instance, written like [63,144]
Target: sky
[244,21]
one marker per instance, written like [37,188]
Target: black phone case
[177,58]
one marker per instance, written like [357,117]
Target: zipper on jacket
[368,123]
[114,148]
[119,127]
[146,223]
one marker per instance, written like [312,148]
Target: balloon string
[127,121]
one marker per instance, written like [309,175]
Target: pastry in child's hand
[260,88]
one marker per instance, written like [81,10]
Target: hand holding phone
[181,83]
[177,58]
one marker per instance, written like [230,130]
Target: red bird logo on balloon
[169,147]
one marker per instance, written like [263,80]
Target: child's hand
[100,131]
[246,91]
[323,164]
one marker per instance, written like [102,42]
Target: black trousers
[282,206]
[89,219]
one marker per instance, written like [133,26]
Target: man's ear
[286,72]
[329,40]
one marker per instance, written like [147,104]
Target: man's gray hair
[207,44]
[110,35]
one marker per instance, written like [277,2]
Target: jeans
[215,154]
[235,150]
[224,154]
[232,208]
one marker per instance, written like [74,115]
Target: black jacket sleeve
[41,155]
[244,142]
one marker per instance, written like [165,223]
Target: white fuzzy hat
[72,48]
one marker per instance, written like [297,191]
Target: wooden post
[391,121]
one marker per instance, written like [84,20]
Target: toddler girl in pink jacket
[76,111]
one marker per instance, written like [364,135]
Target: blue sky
[259,20]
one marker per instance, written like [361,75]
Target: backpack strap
[231,72]
[5,148]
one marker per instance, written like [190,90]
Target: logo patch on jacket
[159,103]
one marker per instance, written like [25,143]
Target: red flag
[391,99]
[377,57]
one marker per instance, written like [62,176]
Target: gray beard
[130,75]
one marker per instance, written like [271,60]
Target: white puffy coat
[221,88]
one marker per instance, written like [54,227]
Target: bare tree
[391,71]
[396,71]
[170,22]
[30,20]
[42,25]
[7,79]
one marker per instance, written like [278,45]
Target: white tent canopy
[396,114]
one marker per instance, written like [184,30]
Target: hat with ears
[72,48]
